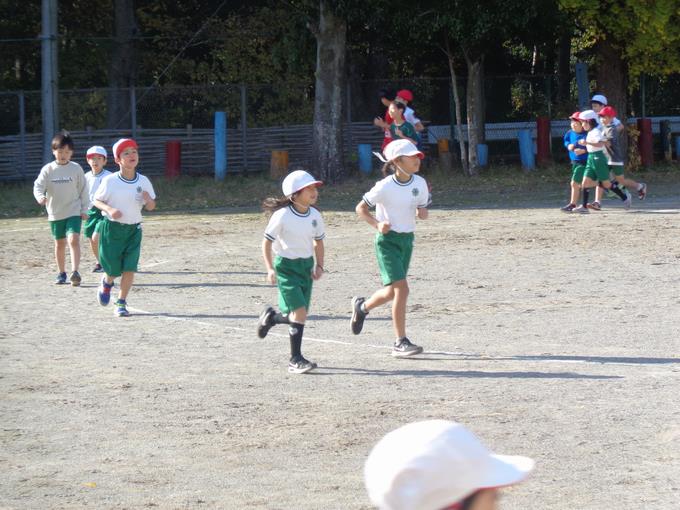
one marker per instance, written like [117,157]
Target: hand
[398,132]
[570,147]
[145,196]
[582,141]
[83,216]
[379,122]
[383,227]
[317,272]
[271,276]
[42,201]
[115,213]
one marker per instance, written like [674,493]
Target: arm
[422,213]
[40,188]
[84,196]
[364,213]
[111,211]
[318,255]
[149,203]
[268,260]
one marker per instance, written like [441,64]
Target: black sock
[615,188]
[295,331]
[279,318]
[586,194]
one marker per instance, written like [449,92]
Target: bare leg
[298,316]
[126,284]
[60,254]
[380,297]
[401,291]
[94,244]
[74,248]
[575,192]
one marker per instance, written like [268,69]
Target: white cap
[432,464]
[599,98]
[95,150]
[587,115]
[399,148]
[297,180]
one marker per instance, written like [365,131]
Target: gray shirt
[64,187]
[614,151]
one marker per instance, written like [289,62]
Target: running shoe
[121,308]
[104,292]
[301,366]
[582,210]
[60,279]
[264,324]
[595,206]
[627,202]
[75,279]
[404,348]
[98,268]
[568,208]
[642,192]
[358,315]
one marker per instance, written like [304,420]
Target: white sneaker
[627,202]
[582,210]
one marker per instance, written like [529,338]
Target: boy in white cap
[96,158]
[438,465]
[121,197]
[398,198]
[62,189]
[294,234]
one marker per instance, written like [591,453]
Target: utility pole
[50,87]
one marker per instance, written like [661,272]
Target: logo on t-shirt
[139,189]
[314,223]
[415,192]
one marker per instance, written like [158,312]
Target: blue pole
[583,85]
[365,155]
[526,148]
[220,145]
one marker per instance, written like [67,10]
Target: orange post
[279,164]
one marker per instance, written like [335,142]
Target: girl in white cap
[398,199]
[294,234]
[438,465]
[96,158]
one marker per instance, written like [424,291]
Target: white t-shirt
[410,116]
[595,135]
[93,182]
[396,202]
[124,195]
[292,233]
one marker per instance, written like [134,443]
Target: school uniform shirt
[571,137]
[407,131]
[396,202]
[93,182]
[65,188]
[595,135]
[292,232]
[410,116]
[125,195]
[615,151]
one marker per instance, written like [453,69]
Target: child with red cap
[578,156]
[121,197]
[405,97]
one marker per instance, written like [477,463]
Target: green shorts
[394,251]
[61,228]
[294,280]
[94,217]
[119,247]
[617,170]
[577,171]
[596,167]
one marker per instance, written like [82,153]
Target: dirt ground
[549,335]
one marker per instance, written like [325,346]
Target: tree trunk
[327,147]
[612,81]
[456,102]
[123,65]
[475,108]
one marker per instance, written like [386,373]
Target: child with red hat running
[121,197]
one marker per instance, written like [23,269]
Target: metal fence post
[348,105]
[22,132]
[244,128]
[133,110]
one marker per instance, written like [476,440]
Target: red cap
[607,111]
[121,145]
[575,115]
[405,94]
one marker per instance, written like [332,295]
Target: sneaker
[264,324]
[568,208]
[75,279]
[642,192]
[60,279]
[104,292]
[627,202]
[595,206]
[581,209]
[358,315]
[98,268]
[121,308]
[301,366]
[405,348]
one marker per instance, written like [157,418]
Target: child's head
[401,155]
[598,102]
[299,187]
[405,95]
[438,464]
[125,153]
[62,147]
[607,114]
[386,96]
[575,122]
[96,158]
[397,110]
[588,119]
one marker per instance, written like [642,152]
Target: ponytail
[273,204]
[389,168]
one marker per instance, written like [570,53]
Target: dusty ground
[549,335]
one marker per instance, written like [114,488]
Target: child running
[62,189]
[398,199]
[597,171]
[578,155]
[121,197]
[96,158]
[295,234]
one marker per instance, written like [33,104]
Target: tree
[123,65]
[629,38]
